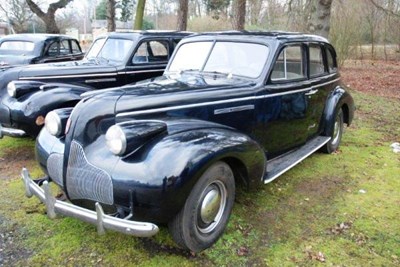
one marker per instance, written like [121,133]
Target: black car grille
[85,181]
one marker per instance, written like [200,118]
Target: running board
[280,165]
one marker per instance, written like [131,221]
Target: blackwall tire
[206,212]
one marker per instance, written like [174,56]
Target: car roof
[263,35]
[136,34]
[33,37]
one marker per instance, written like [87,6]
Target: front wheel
[206,212]
[336,136]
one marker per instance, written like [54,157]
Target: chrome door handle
[312,92]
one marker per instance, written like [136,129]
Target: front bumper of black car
[4,131]
[98,218]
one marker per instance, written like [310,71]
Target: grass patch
[341,208]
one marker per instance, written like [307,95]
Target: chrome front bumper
[103,221]
[11,132]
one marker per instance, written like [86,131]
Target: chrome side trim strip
[140,71]
[69,76]
[101,80]
[156,110]
[98,218]
[233,109]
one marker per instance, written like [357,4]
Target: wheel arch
[339,98]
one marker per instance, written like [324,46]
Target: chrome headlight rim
[116,140]
[53,124]
[12,89]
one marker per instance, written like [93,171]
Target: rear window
[17,46]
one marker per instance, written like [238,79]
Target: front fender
[159,176]
[25,111]
[339,98]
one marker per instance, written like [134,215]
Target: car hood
[173,90]
[80,67]
[10,60]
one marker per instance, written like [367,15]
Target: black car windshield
[20,47]
[110,49]
[231,58]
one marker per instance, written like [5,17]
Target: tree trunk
[49,17]
[239,14]
[182,15]
[110,14]
[139,15]
[320,18]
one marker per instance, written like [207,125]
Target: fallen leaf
[243,251]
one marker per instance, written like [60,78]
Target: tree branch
[386,10]
[35,9]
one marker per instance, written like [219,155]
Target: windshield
[110,49]
[242,59]
[21,46]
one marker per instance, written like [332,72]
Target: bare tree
[48,18]
[182,15]
[139,15]
[17,12]
[239,14]
[110,15]
[320,17]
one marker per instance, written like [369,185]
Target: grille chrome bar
[98,218]
[85,181]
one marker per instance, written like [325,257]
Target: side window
[141,54]
[75,47]
[316,60]
[289,64]
[332,67]
[64,47]
[53,50]
[151,52]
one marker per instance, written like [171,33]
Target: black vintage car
[113,60]
[235,107]
[21,49]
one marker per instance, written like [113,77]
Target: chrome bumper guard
[11,132]
[103,221]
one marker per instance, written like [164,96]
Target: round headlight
[116,140]
[11,89]
[53,123]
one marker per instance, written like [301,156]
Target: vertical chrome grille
[55,168]
[85,181]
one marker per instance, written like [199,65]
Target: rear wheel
[336,136]
[206,212]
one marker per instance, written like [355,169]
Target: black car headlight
[11,89]
[20,88]
[116,140]
[125,137]
[56,121]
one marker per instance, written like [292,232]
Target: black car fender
[52,96]
[162,172]
[339,98]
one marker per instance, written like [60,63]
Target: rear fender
[339,98]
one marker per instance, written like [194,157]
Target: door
[283,109]
[148,60]
[323,79]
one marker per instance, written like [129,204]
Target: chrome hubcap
[212,205]
[336,131]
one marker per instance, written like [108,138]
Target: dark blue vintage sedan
[21,49]
[235,107]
